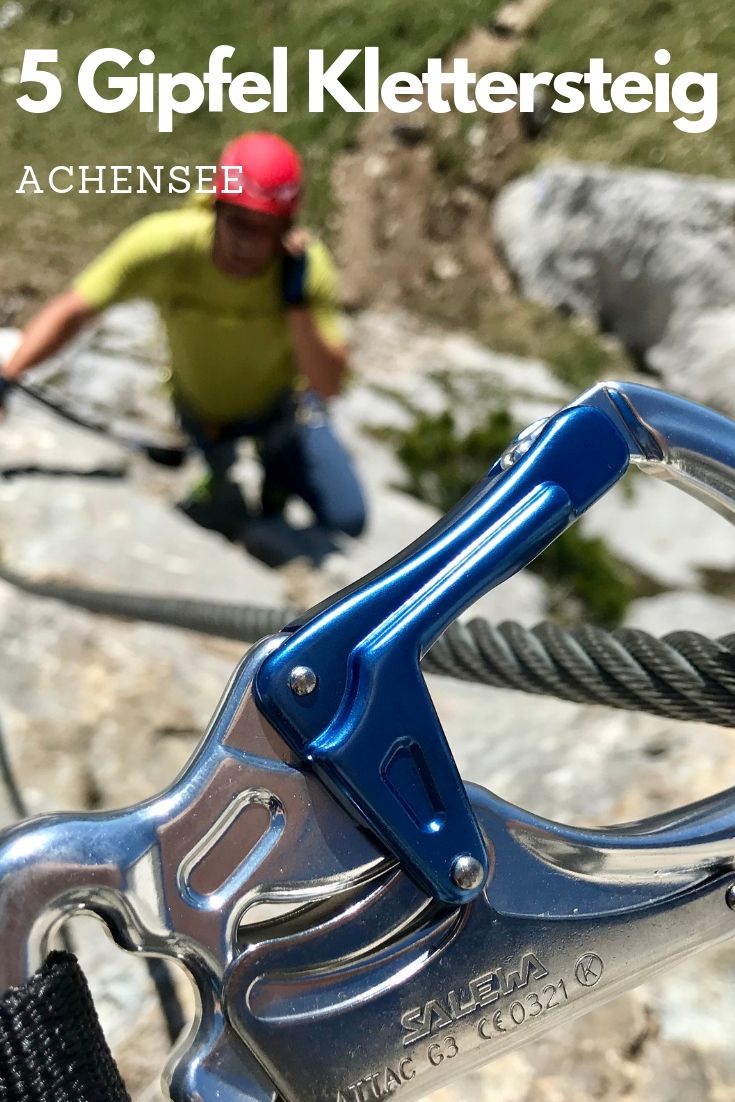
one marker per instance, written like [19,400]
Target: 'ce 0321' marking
[490,987]
[532,1005]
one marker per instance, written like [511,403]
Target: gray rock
[398,351]
[10,13]
[683,610]
[97,711]
[111,535]
[648,256]
[114,371]
[115,533]
[664,533]
[103,713]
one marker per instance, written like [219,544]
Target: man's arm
[127,268]
[311,308]
[131,267]
[323,364]
[47,332]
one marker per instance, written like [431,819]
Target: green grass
[46,239]
[64,231]
[701,38]
[699,35]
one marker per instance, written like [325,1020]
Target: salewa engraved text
[460,1002]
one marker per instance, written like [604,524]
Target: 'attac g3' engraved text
[379,1086]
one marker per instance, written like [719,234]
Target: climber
[249,304]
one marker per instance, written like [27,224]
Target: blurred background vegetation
[69,228]
[182,35]
[47,239]
[700,37]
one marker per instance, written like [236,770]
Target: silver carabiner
[245,824]
[373,986]
[389,995]
[673,439]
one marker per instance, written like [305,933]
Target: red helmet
[264,174]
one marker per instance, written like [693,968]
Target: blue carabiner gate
[346,691]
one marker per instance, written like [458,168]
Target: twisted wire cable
[683,675]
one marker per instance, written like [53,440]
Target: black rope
[10,784]
[29,470]
[52,1048]
[163,454]
[683,676]
[221,618]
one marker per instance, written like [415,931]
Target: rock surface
[668,536]
[100,713]
[649,256]
[680,609]
[86,524]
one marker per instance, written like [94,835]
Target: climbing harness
[430,926]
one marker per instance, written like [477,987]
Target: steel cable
[683,675]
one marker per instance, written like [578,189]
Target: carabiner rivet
[730,897]
[467,872]
[302,680]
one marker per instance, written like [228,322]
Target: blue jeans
[300,453]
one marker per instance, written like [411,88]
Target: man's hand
[45,334]
[295,268]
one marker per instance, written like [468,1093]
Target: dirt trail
[413,198]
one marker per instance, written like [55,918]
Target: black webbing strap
[52,1048]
